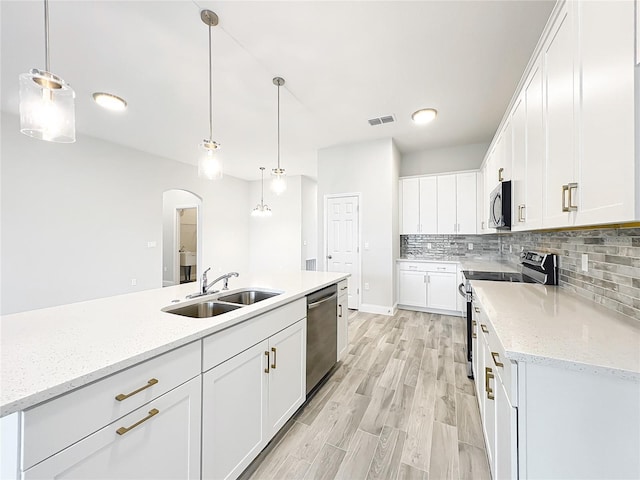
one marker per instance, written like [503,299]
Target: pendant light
[209,161]
[261,209]
[278,184]
[46,101]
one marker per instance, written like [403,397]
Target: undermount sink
[219,304]
[206,309]
[247,297]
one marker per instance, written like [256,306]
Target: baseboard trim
[377,309]
[454,313]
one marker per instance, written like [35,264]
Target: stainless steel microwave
[500,206]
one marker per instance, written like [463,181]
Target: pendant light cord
[278,127]
[46,35]
[210,91]
[262,188]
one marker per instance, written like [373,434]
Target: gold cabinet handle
[476,309]
[474,335]
[521,210]
[122,430]
[500,177]
[124,396]
[565,189]
[484,328]
[487,377]
[344,288]
[475,323]
[494,355]
[273,365]
[266,370]
[570,188]
[340,314]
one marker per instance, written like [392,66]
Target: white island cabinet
[137,392]
[130,425]
[343,319]
[249,397]
[558,384]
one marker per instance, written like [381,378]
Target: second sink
[247,297]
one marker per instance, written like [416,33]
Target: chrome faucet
[205,287]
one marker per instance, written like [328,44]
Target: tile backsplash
[612,278]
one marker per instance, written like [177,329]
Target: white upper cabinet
[439,204]
[428,205]
[447,219]
[466,202]
[604,176]
[418,204]
[558,61]
[410,205]
[534,149]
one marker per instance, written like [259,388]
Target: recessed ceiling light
[424,115]
[110,101]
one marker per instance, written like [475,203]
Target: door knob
[329,257]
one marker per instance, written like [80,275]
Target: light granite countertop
[552,326]
[48,352]
[480,264]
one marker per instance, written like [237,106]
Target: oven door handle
[462,290]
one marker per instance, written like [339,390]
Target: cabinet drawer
[505,369]
[158,440]
[429,267]
[54,425]
[342,287]
[223,345]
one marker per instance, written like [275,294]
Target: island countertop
[51,351]
[552,326]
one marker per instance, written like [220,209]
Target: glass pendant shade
[47,107]
[261,211]
[279,182]
[210,161]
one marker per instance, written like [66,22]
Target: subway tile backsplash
[613,276]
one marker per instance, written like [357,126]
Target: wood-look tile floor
[399,407]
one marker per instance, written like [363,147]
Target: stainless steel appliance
[500,206]
[539,268]
[322,334]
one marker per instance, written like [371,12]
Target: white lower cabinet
[343,319]
[248,398]
[160,440]
[428,286]
[442,290]
[544,421]
[412,290]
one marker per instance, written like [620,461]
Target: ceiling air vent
[381,120]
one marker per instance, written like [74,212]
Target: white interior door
[343,241]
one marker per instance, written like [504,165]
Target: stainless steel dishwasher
[322,334]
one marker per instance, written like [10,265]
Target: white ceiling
[343,62]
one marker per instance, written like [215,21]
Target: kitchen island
[56,362]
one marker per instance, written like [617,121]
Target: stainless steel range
[537,267]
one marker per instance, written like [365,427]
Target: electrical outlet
[134,282]
[470,246]
[366,245]
[152,244]
[510,248]
[366,286]
[585,262]
[429,246]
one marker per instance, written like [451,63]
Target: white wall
[452,159]
[366,168]
[309,220]
[76,219]
[276,241]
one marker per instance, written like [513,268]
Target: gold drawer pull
[340,314]
[484,328]
[488,376]
[475,323]
[474,335]
[122,430]
[494,355]
[273,365]
[476,309]
[266,370]
[123,396]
